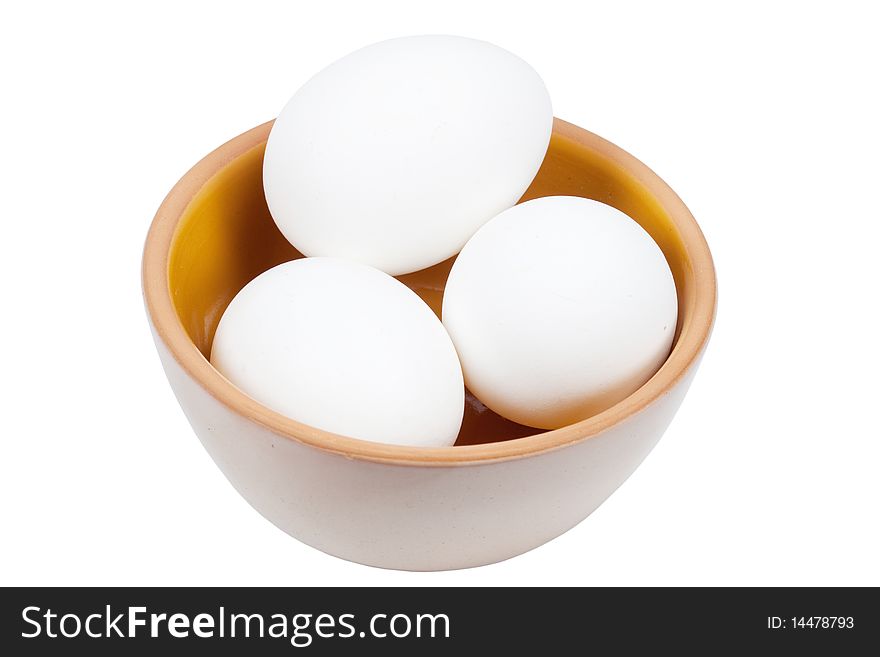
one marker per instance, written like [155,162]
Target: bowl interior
[225,237]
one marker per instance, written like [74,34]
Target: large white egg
[346,348]
[559,308]
[397,153]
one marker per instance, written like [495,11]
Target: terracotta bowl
[503,488]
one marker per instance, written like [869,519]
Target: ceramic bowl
[503,488]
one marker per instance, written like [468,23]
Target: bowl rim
[168,328]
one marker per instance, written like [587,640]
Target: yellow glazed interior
[214,233]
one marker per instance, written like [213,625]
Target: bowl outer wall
[412,517]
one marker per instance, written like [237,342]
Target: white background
[763,117]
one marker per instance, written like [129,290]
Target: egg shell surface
[559,308]
[346,348]
[397,153]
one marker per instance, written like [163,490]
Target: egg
[559,308]
[346,348]
[397,153]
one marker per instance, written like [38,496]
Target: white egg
[346,348]
[559,308]
[396,154]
